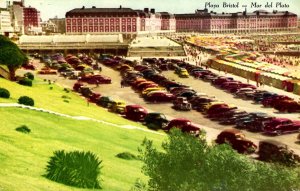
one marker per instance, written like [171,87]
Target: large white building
[5,22]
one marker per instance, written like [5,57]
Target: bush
[29,75]
[25,100]
[189,163]
[4,93]
[127,156]
[79,169]
[23,129]
[25,82]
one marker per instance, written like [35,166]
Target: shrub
[79,169]
[127,156]
[4,93]
[29,75]
[25,82]
[25,100]
[23,129]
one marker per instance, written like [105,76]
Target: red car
[285,126]
[135,112]
[287,106]
[236,139]
[184,124]
[270,101]
[160,97]
[77,86]
[94,79]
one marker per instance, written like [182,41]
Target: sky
[52,8]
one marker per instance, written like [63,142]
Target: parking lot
[212,128]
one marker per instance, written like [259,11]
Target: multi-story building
[5,22]
[115,20]
[60,24]
[258,21]
[26,20]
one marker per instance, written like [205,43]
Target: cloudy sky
[52,8]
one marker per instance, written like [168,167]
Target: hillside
[23,157]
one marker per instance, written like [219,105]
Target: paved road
[212,128]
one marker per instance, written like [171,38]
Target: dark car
[215,112]
[160,97]
[155,121]
[135,112]
[105,101]
[184,124]
[274,151]
[244,122]
[261,96]
[236,139]
[233,119]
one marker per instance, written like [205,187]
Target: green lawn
[49,99]
[23,157]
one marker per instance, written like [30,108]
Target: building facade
[258,21]
[26,20]
[115,20]
[5,22]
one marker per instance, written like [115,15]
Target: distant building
[115,20]
[26,20]
[60,24]
[258,21]
[5,22]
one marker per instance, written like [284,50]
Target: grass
[52,99]
[23,157]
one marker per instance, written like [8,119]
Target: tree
[190,164]
[11,56]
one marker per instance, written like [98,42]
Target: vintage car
[287,106]
[181,103]
[236,139]
[261,96]
[155,121]
[47,71]
[135,112]
[182,72]
[184,124]
[275,151]
[232,119]
[219,81]
[105,101]
[160,97]
[243,122]
[143,85]
[280,126]
[243,91]
[214,112]
[148,90]
[235,88]
[77,86]
[96,79]
[117,106]
[271,101]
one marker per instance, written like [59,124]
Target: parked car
[282,126]
[148,90]
[160,97]
[184,124]
[271,125]
[241,93]
[274,151]
[117,106]
[96,79]
[236,139]
[155,121]
[231,120]
[181,103]
[271,101]
[105,101]
[242,123]
[287,106]
[135,112]
[182,72]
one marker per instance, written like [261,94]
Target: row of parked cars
[156,121]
